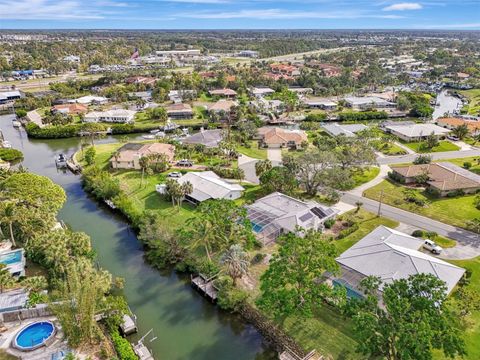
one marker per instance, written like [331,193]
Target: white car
[432,247]
[175,174]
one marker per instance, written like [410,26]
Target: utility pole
[380,203]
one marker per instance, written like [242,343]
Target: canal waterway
[186,325]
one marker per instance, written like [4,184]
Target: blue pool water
[351,294]
[11,258]
[34,335]
[256,227]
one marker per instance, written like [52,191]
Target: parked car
[432,247]
[174,174]
[185,162]
[453,138]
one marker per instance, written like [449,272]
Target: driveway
[247,164]
[275,156]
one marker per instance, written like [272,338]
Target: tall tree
[413,321]
[292,284]
[236,261]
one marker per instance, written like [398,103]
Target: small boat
[16,123]
[6,144]
[61,160]
[148,137]
[110,204]
[170,126]
[154,131]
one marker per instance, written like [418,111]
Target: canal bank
[186,325]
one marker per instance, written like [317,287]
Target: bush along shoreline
[165,249]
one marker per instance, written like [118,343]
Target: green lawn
[442,146]
[367,222]
[473,95]
[475,161]
[362,177]
[388,148]
[445,242]
[453,211]
[253,151]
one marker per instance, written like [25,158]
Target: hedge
[52,132]
[122,347]
[11,155]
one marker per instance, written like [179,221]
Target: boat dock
[142,352]
[128,325]
[73,166]
[289,354]
[205,286]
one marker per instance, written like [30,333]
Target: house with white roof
[113,116]
[368,102]
[390,255]
[6,96]
[277,214]
[261,91]
[90,99]
[208,185]
[416,132]
[349,130]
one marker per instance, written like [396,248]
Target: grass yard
[475,161]
[389,149]
[368,174]
[473,95]
[442,146]
[454,211]
[253,151]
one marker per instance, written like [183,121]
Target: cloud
[283,14]
[199,1]
[403,7]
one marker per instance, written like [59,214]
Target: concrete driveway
[275,156]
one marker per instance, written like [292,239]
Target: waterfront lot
[454,211]
[473,95]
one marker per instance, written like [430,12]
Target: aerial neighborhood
[323,187]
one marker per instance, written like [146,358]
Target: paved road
[468,243]
[435,156]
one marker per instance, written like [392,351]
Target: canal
[185,324]
[446,104]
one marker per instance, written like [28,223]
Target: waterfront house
[70,109]
[368,102]
[129,155]
[444,177]
[416,132]
[208,185]
[208,138]
[451,123]
[349,130]
[90,99]
[179,111]
[277,214]
[390,255]
[281,138]
[318,103]
[113,116]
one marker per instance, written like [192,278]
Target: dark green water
[186,325]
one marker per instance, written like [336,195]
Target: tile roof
[131,151]
[393,255]
[473,126]
[279,136]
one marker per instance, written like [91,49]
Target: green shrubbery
[228,173]
[122,346]
[11,155]
[363,115]
[52,132]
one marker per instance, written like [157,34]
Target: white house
[208,185]
[114,116]
[368,102]
[90,99]
[416,132]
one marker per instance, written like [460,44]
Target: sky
[240,14]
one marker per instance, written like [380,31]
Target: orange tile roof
[473,126]
[277,135]
[72,108]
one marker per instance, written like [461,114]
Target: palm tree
[236,262]
[9,216]
[35,283]
[144,162]
[460,131]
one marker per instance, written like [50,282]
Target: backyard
[454,211]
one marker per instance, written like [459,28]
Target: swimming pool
[257,227]
[33,336]
[11,257]
[351,294]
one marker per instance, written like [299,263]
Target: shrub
[316,117]
[467,164]
[345,232]
[396,177]
[417,233]
[476,202]
[422,159]
[329,223]
[52,132]
[90,155]
[433,192]
[227,172]
[122,347]
[257,259]
[21,113]
[455,193]
[229,297]
[362,115]
[11,155]
[309,125]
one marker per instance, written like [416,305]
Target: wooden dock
[73,166]
[142,352]
[205,285]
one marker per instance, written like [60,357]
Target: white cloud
[403,7]
[283,14]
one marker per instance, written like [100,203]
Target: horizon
[239,15]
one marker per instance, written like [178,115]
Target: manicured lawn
[362,177]
[445,242]
[253,151]
[367,222]
[442,146]
[388,148]
[460,161]
[453,211]
[473,95]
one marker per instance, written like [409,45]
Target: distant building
[179,111]
[324,104]
[129,155]
[146,80]
[6,96]
[349,130]
[228,93]
[277,214]
[72,59]
[281,138]
[444,177]
[70,109]
[261,91]
[208,185]
[328,70]
[179,53]
[300,90]
[368,102]
[208,138]
[452,123]
[283,69]
[416,132]
[390,255]
[113,116]
[248,53]
[90,99]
